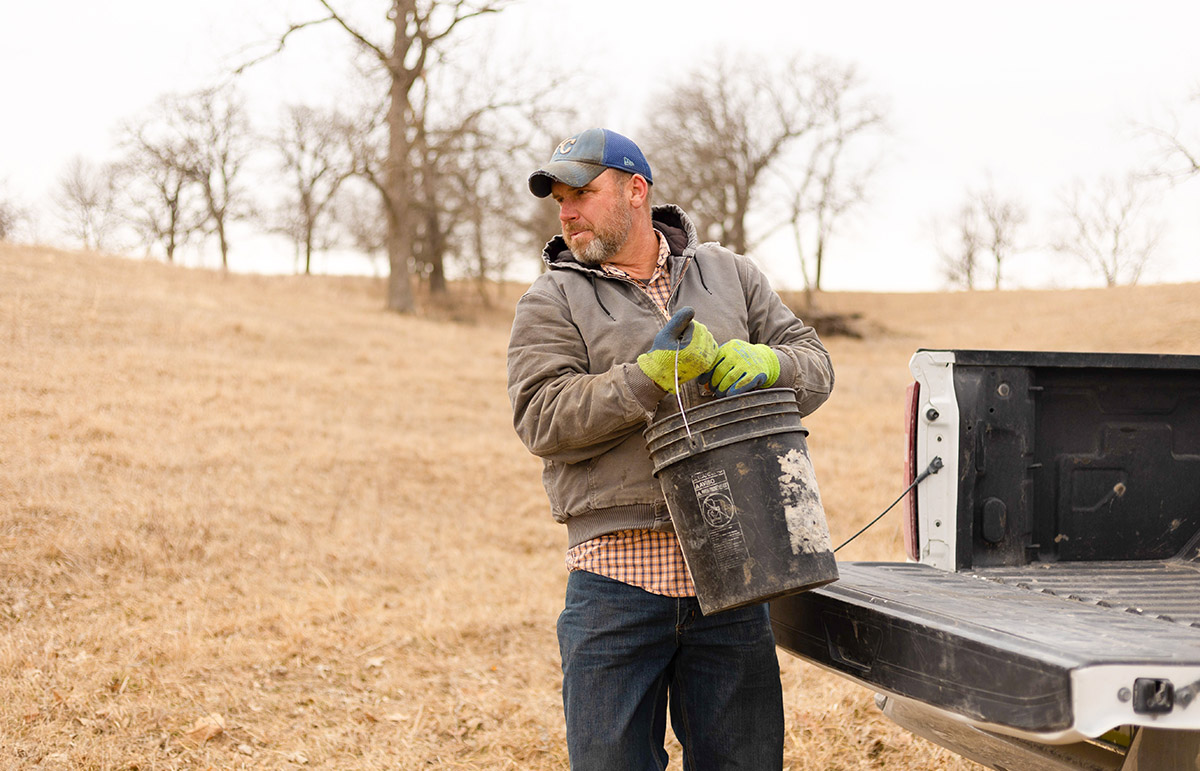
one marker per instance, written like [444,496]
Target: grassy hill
[253,522]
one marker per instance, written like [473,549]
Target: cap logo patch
[565,146]
[630,163]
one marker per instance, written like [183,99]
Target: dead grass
[268,501]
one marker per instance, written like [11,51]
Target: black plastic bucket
[743,498]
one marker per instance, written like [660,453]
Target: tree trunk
[435,248]
[433,237]
[308,247]
[173,227]
[437,277]
[481,258]
[737,234]
[219,222]
[396,176]
[820,259]
[399,246]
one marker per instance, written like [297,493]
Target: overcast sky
[1029,95]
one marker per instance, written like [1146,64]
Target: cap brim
[570,173]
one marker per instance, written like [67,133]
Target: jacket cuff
[646,391]
[787,370]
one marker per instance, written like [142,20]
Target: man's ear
[637,190]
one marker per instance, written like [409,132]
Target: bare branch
[1175,148]
[337,18]
[459,16]
[281,44]
[1178,157]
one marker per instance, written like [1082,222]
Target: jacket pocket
[624,476]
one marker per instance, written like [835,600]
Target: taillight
[911,544]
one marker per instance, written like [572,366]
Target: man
[600,343]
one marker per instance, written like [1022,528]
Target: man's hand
[696,348]
[742,367]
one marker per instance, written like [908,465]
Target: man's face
[596,218]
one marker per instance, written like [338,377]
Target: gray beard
[605,245]
[598,251]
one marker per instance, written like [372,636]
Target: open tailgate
[1058,652]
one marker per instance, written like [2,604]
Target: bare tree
[316,158]
[156,174]
[478,185]
[434,214]
[1004,218]
[218,144]
[713,136]
[11,215]
[86,199]
[418,29]
[470,150]
[8,220]
[482,175]
[471,137]
[1109,228]
[831,182]
[748,138]
[987,223]
[960,257]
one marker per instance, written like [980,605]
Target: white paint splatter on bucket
[802,508]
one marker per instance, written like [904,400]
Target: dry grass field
[253,522]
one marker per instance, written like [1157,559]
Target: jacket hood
[667,219]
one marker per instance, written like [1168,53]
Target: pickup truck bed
[1051,607]
[1031,650]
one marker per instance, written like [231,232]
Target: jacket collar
[668,219]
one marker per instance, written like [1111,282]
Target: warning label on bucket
[725,539]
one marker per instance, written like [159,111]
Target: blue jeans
[629,657]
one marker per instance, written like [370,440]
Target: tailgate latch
[1152,696]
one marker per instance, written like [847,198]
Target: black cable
[934,467]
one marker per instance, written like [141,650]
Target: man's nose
[567,212]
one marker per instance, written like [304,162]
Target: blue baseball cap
[583,157]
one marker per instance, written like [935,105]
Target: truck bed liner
[1167,590]
[1000,646]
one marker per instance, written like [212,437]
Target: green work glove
[688,341]
[742,367]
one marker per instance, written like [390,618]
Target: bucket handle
[679,398]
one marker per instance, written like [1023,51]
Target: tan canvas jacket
[580,401]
